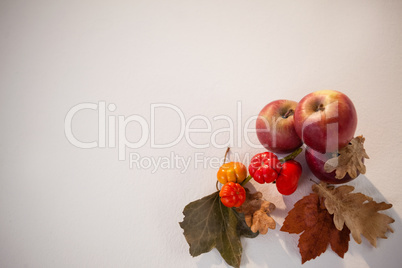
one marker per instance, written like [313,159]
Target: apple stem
[291,156]
[289,113]
[321,107]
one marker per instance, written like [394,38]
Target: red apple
[325,120]
[316,161]
[275,127]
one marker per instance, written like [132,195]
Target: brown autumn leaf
[355,210]
[311,217]
[256,210]
[350,160]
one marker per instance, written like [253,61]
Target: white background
[62,206]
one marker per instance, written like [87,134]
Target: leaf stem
[292,155]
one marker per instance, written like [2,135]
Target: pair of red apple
[324,120]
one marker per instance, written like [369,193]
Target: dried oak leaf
[256,211]
[208,223]
[349,160]
[357,211]
[310,217]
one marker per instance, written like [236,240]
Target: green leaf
[208,223]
